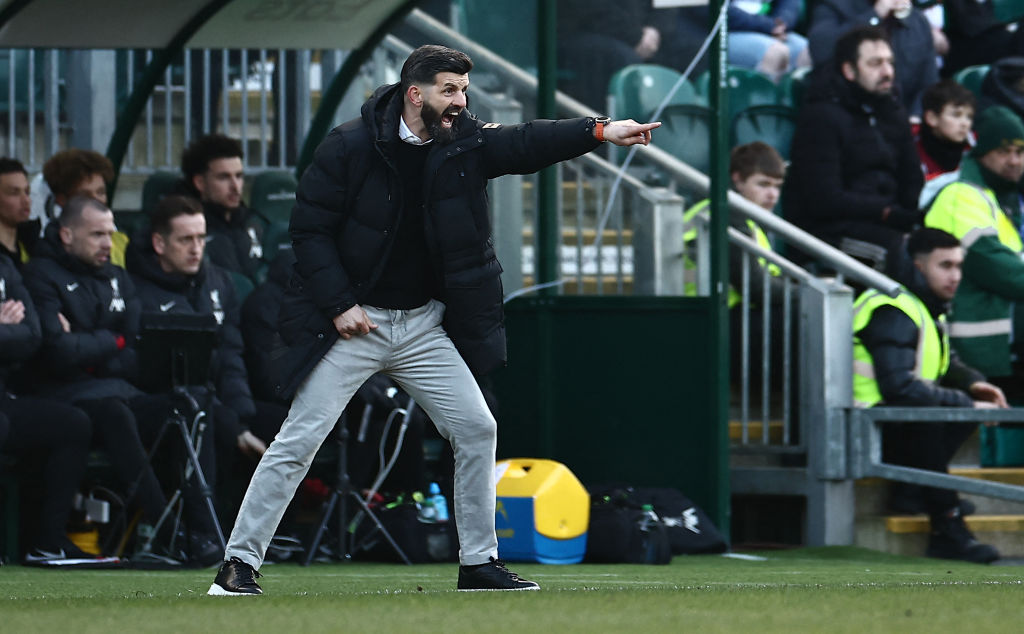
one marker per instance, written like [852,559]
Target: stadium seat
[792,87]
[273,194]
[686,134]
[746,88]
[1007,11]
[972,77]
[772,124]
[158,185]
[275,238]
[486,21]
[636,91]
[129,222]
[243,285]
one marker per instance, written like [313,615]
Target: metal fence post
[658,243]
[92,94]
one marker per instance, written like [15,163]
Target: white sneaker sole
[497,589]
[217,591]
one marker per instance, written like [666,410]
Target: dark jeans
[53,439]
[927,446]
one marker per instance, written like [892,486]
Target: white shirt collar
[407,135]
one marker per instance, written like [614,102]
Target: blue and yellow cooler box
[542,512]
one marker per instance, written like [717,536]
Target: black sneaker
[492,576]
[235,578]
[951,539]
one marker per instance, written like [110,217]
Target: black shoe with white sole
[492,576]
[235,578]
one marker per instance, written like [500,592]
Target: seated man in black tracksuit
[212,167]
[170,276]
[48,437]
[89,316]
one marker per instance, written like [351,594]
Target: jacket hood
[141,260]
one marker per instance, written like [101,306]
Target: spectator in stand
[90,316]
[213,170]
[855,176]
[761,36]
[598,37]
[54,435]
[976,36]
[901,358]
[77,172]
[944,135]
[18,234]
[982,209]
[909,35]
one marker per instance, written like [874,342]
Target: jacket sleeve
[788,11]
[317,218]
[995,268]
[891,339]
[78,349]
[830,19]
[258,326]
[18,342]
[528,147]
[232,379]
[817,150]
[960,375]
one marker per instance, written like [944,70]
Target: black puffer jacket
[91,361]
[235,245]
[891,337]
[18,342]
[852,156]
[259,325]
[209,292]
[350,200]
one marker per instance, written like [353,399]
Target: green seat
[686,134]
[275,238]
[746,88]
[972,77]
[771,124]
[487,21]
[130,222]
[273,194]
[243,285]
[792,87]
[158,185]
[636,91]
[1007,11]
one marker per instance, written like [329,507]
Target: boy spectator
[55,434]
[982,210]
[855,176]
[78,172]
[18,234]
[901,358]
[944,135]
[213,170]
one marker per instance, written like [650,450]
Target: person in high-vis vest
[757,172]
[982,209]
[902,358]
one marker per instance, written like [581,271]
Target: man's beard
[432,121]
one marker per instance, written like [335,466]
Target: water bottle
[648,518]
[425,507]
[439,503]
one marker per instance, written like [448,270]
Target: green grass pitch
[807,590]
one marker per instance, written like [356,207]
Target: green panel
[630,393]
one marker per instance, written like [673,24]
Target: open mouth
[448,118]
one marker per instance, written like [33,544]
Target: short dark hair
[756,157]
[924,241]
[947,92]
[9,165]
[169,208]
[423,64]
[71,213]
[197,156]
[847,47]
[65,170]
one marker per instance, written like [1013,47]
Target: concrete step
[908,535]
[871,493]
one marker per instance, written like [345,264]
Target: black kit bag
[690,530]
[422,542]
[622,531]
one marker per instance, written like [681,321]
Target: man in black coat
[213,170]
[52,435]
[89,317]
[396,273]
[855,175]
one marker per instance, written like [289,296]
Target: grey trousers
[411,347]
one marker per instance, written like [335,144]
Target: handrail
[689,176]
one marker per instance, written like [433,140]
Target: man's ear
[199,183]
[65,236]
[918,263]
[414,95]
[734,178]
[849,71]
[158,243]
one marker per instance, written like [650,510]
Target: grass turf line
[831,589]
